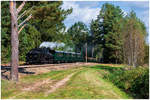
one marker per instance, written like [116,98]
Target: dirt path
[44,82]
[37,85]
[59,84]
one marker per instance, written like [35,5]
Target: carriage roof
[67,52]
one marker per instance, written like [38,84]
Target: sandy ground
[59,84]
[39,69]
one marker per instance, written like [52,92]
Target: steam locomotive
[46,55]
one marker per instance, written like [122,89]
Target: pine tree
[109,32]
[96,39]
[50,15]
[78,34]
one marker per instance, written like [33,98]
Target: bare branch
[29,17]
[30,9]
[21,15]
[21,28]
[20,7]
[24,13]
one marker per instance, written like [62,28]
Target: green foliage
[134,40]
[5,32]
[108,34]
[29,39]
[146,58]
[141,84]
[78,34]
[105,38]
[96,39]
[135,81]
[106,30]
[46,25]
[111,27]
[50,16]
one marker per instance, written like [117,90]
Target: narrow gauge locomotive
[46,55]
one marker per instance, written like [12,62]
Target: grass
[8,91]
[86,83]
[134,82]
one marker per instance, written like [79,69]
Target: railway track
[45,65]
[39,69]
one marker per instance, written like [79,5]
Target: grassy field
[85,83]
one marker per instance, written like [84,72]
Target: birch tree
[133,47]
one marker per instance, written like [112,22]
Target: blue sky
[85,11]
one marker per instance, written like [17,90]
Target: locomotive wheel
[50,61]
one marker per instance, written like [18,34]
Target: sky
[85,11]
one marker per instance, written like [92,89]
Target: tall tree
[14,37]
[134,42]
[78,34]
[14,41]
[96,39]
[50,15]
[108,32]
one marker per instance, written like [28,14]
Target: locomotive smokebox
[39,56]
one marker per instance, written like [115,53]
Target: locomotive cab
[39,55]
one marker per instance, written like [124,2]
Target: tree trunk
[116,57]
[14,41]
[92,51]
[86,52]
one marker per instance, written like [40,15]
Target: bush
[135,81]
[140,85]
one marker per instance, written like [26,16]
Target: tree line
[111,38]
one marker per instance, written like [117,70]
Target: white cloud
[84,14]
[124,12]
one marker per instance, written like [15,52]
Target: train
[49,56]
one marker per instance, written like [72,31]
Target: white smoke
[51,45]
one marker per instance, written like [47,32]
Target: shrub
[140,85]
[135,81]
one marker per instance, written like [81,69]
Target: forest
[113,39]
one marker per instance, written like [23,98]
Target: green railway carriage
[46,55]
[61,57]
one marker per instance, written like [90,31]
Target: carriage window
[70,54]
[79,55]
[60,54]
[74,55]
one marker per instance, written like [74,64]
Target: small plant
[134,81]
